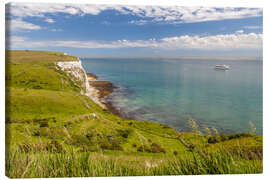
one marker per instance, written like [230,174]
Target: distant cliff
[78,75]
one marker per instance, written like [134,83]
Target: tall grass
[86,164]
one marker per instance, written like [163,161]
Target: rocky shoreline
[103,89]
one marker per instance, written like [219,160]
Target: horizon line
[202,57]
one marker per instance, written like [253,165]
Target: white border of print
[212,3]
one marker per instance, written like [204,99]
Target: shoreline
[102,87]
[103,90]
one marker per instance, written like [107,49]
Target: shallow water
[169,90]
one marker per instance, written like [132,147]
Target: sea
[170,91]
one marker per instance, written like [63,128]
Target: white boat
[222,67]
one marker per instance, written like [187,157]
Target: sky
[117,30]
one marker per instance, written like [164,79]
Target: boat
[222,67]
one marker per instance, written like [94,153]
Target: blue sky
[114,30]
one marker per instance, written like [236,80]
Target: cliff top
[26,56]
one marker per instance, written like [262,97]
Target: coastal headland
[57,126]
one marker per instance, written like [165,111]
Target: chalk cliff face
[78,75]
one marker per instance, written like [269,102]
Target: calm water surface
[168,90]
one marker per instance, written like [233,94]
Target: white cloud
[226,41]
[19,25]
[214,42]
[50,20]
[239,31]
[169,14]
[139,22]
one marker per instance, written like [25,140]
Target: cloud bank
[19,25]
[169,14]
[238,40]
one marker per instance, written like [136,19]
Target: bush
[156,148]
[68,123]
[37,87]
[222,137]
[105,145]
[80,140]
[175,153]
[125,132]
[143,148]
[115,145]
[212,140]
[166,126]
[134,145]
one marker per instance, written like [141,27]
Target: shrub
[223,137]
[115,145]
[104,145]
[163,150]
[54,119]
[134,145]
[156,148]
[125,132]
[68,123]
[37,87]
[212,140]
[175,153]
[79,140]
[166,126]
[143,148]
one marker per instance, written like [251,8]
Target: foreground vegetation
[52,130]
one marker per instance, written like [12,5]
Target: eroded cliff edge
[77,74]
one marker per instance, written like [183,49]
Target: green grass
[101,164]
[50,132]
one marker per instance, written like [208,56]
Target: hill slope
[53,126]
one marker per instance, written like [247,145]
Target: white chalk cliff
[78,75]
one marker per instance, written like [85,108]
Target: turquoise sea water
[168,90]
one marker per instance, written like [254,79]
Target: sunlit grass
[51,132]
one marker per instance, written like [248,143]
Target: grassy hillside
[54,131]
